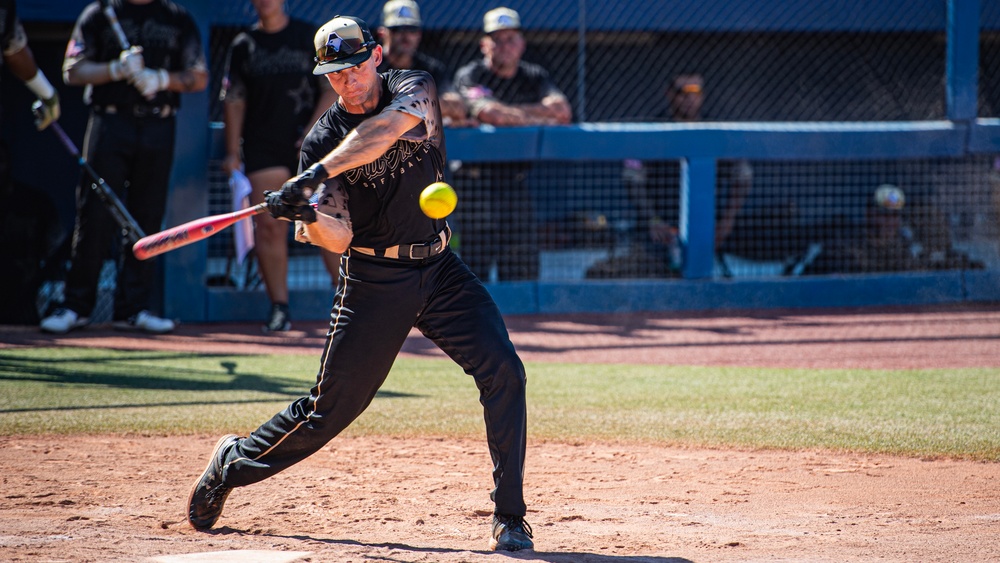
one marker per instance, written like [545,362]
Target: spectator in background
[400,35]
[498,214]
[654,247]
[271,99]
[881,243]
[885,241]
[134,96]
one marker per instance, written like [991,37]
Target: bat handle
[109,13]
[65,139]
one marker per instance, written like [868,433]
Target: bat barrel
[192,231]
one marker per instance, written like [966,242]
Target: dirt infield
[121,498]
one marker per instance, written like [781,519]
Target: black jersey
[383,196]
[478,85]
[272,73]
[12,36]
[166,32]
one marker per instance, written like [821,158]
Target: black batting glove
[280,209]
[299,189]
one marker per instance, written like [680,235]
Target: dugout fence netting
[804,62]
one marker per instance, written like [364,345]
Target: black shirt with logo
[383,196]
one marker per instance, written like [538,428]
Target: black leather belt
[410,251]
[137,110]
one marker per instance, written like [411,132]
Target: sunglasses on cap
[338,48]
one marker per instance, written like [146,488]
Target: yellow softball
[438,200]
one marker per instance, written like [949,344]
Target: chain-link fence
[788,61]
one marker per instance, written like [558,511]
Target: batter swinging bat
[129,227]
[192,231]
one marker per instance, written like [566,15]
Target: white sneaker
[62,321]
[146,322]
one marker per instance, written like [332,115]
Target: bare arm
[740,187]
[552,110]
[81,72]
[234,113]
[22,64]
[190,80]
[368,141]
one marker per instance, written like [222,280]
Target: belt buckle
[421,247]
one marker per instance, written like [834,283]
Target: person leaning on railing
[503,90]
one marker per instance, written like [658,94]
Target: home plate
[238,556]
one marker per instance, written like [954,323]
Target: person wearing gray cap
[365,163]
[501,89]
[400,35]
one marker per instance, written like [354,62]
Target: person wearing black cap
[365,163]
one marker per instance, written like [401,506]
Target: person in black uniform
[400,35]
[271,99]
[19,59]
[370,156]
[134,96]
[29,230]
[498,219]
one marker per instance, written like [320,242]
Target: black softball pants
[123,150]
[378,301]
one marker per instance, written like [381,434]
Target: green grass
[929,413]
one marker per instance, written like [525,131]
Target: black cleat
[510,533]
[280,320]
[209,493]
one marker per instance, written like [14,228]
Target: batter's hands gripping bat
[131,61]
[275,202]
[130,229]
[192,231]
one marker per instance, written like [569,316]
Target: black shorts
[257,157]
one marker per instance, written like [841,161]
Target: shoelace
[517,522]
[216,493]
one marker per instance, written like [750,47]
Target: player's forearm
[187,81]
[233,115]
[82,72]
[22,64]
[368,141]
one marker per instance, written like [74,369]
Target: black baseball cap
[342,43]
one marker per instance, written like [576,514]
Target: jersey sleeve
[83,41]
[233,82]
[469,86]
[414,92]
[192,54]
[12,35]
[546,86]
